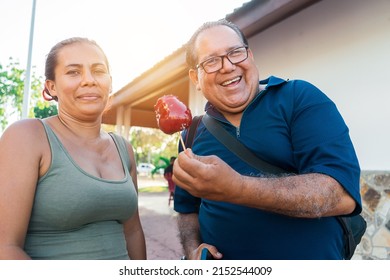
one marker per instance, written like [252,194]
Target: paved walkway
[159,223]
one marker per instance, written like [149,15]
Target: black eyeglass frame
[200,65]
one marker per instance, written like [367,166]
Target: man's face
[234,86]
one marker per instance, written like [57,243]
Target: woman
[68,190]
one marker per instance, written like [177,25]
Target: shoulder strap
[122,148]
[215,128]
[192,131]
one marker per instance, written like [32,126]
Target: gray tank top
[76,215]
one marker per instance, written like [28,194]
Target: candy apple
[172,115]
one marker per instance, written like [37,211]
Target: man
[223,203]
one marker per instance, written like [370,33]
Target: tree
[11,94]
[42,111]
[151,144]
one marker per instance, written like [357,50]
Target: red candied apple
[172,115]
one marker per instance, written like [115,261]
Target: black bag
[354,227]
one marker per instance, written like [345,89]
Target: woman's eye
[100,70]
[73,72]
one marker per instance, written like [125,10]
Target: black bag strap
[238,148]
[192,130]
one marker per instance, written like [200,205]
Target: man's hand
[206,176]
[196,254]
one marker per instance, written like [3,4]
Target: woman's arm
[135,238]
[21,163]
[134,233]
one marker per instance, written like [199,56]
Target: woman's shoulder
[26,131]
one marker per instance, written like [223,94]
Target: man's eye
[212,61]
[236,53]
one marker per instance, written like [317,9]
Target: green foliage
[160,163]
[152,145]
[12,78]
[42,112]
[11,91]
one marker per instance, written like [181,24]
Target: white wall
[343,47]
[197,101]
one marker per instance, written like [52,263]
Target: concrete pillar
[119,120]
[127,122]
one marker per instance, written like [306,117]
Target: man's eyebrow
[215,54]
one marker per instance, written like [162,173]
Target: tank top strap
[120,142]
[54,142]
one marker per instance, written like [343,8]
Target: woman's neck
[86,130]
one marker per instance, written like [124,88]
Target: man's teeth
[231,81]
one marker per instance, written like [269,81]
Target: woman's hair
[52,60]
[191,55]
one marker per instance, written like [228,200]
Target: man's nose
[227,65]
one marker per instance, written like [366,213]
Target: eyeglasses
[215,63]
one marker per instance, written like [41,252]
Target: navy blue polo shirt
[291,124]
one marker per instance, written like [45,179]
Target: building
[133,104]
[340,46]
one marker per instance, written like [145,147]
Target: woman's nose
[88,77]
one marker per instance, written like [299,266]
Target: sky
[135,35]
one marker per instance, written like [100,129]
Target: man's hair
[191,55]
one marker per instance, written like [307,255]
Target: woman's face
[82,80]
[233,87]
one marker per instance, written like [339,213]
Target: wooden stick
[182,142]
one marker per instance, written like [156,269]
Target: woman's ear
[50,86]
[46,93]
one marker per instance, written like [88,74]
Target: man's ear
[193,74]
[250,53]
